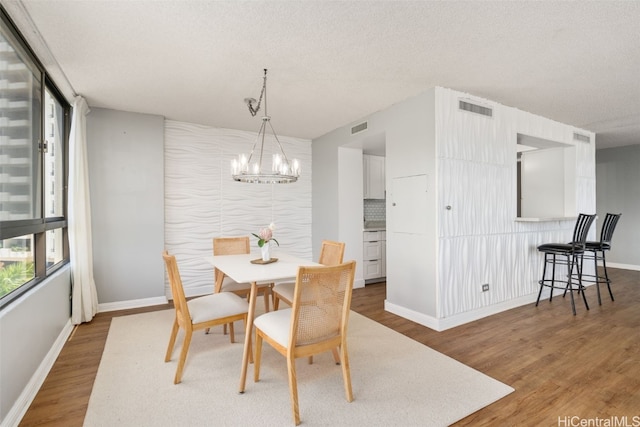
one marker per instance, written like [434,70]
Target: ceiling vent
[359,128]
[581,137]
[475,108]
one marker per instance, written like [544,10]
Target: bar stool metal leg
[606,275]
[544,276]
[581,286]
[595,265]
[570,261]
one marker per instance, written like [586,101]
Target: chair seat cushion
[275,324]
[559,248]
[215,306]
[285,290]
[598,246]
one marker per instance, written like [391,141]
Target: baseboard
[466,317]
[462,318]
[414,316]
[30,391]
[135,303]
[624,266]
[146,302]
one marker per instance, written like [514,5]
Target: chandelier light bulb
[277,163]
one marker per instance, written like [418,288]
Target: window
[53,157]
[545,183]
[34,128]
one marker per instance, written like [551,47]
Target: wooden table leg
[247,337]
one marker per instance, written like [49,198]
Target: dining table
[249,268]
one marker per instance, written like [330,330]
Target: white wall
[325,192]
[203,201]
[33,329]
[618,191]
[434,275]
[126,178]
[350,171]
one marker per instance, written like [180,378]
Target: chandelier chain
[255,110]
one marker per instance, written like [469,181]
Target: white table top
[240,268]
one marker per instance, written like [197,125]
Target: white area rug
[396,381]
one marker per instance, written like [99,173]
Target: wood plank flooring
[562,366]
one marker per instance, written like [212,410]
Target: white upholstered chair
[199,313]
[331,253]
[316,322]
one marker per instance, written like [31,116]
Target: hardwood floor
[561,366]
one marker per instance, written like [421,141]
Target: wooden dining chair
[199,313]
[331,253]
[316,322]
[236,246]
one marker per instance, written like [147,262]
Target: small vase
[266,256]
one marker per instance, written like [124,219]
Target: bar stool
[573,258]
[594,248]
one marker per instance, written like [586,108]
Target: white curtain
[84,302]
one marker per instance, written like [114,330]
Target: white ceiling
[333,63]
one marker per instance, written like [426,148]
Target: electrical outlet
[485,287]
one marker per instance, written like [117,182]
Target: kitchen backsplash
[375,210]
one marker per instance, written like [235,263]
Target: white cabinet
[371,250]
[374,254]
[374,180]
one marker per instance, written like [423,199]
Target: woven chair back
[331,253]
[321,303]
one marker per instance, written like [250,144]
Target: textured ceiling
[333,63]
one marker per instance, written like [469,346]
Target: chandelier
[250,168]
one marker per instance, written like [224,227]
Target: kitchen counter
[375,226]
[563,218]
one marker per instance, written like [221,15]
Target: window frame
[38,227]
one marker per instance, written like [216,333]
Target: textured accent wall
[479,239]
[202,201]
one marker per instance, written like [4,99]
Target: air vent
[359,128]
[581,137]
[474,108]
